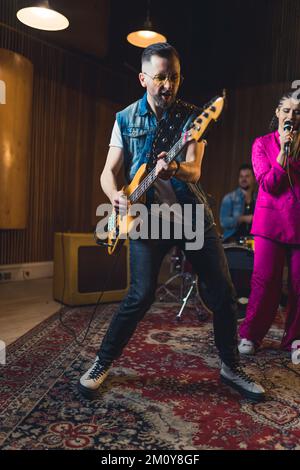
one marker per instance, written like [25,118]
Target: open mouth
[166,96]
[289,121]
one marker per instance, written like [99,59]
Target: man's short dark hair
[246,166]
[162,49]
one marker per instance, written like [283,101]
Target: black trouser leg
[145,260]
[210,264]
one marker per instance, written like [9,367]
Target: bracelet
[178,166]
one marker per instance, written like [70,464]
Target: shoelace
[241,373]
[97,370]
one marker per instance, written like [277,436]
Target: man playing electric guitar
[143,133]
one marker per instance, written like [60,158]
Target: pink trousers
[266,288]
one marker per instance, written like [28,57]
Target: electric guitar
[119,226]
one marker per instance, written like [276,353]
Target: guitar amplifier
[82,270]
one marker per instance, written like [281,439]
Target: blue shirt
[232,207]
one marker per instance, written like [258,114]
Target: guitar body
[123,224]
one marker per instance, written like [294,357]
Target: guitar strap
[169,130]
[167,133]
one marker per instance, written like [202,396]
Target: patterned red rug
[163,393]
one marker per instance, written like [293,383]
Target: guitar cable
[63,312]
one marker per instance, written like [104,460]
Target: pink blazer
[277,210]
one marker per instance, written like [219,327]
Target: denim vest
[232,207]
[138,126]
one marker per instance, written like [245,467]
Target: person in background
[276,229]
[237,207]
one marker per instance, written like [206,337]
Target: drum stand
[193,287]
[166,290]
[188,291]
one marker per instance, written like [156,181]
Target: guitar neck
[151,177]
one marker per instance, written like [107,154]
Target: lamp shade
[145,36]
[42,17]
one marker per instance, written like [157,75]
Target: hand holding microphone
[287,137]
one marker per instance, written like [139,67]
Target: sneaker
[246,346]
[237,378]
[295,352]
[93,378]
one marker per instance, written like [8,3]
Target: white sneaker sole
[246,393]
[88,393]
[92,393]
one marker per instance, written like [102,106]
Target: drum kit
[240,259]
[184,285]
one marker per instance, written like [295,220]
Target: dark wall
[249,47]
[266,62]
[222,43]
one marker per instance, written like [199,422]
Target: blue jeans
[209,264]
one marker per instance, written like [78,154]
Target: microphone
[288,126]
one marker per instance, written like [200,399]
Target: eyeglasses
[161,79]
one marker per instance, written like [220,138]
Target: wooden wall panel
[69,143]
[16,72]
[105,112]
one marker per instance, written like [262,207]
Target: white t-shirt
[116,138]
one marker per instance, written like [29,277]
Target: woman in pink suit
[276,227]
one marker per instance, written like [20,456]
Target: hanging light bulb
[41,16]
[145,36]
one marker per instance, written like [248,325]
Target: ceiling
[217,39]
[88,29]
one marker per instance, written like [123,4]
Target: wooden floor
[23,305]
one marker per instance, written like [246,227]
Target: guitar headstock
[200,124]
